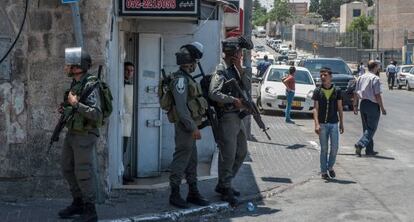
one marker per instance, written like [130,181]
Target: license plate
[296,104]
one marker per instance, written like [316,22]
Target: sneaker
[332,173]
[325,176]
[358,150]
[290,121]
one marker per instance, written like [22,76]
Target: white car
[271,92]
[258,58]
[410,80]
[283,48]
[403,72]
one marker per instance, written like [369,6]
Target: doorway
[142,156]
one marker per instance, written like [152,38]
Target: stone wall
[32,88]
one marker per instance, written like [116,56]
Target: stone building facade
[32,85]
[351,11]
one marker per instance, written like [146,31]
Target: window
[357,12]
[301,77]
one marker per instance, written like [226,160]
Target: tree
[369,2]
[360,26]
[280,12]
[329,9]
[259,14]
[314,6]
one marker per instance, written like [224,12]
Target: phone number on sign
[151,4]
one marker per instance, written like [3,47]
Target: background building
[351,11]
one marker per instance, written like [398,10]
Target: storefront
[148,34]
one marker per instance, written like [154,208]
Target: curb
[214,208]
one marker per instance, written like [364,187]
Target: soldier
[228,108]
[78,155]
[187,112]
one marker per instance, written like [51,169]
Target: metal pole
[377,14]
[77,24]
[247,62]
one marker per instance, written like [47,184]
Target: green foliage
[360,27]
[314,6]
[369,2]
[329,9]
[259,14]
[281,11]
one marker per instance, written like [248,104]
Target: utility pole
[247,61]
[377,14]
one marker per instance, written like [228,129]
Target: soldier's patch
[180,86]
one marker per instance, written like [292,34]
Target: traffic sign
[69,1]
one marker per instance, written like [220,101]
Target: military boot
[228,196]
[195,197]
[88,215]
[175,198]
[75,208]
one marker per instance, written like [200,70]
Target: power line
[18,34]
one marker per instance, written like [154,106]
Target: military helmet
[78,57]
[232,44]
[189,53]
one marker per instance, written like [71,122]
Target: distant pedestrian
[391,72]
[262,66]
[361,69]
[368,90]
[327,108]
[289,82]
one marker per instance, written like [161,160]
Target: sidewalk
[271,167]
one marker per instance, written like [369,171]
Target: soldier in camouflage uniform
[187,112]
[228,108]
[78,155]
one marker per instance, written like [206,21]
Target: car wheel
[408,86]
[259,106]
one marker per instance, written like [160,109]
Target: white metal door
[149,113]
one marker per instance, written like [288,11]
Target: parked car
[283,48]
[259,48]
[402,72]
[410,80]
[292,54]
[271,92]
[341,74]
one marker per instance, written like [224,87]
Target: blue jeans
[370,115]
[329,131]
[289,100]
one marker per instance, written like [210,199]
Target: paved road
[366,189]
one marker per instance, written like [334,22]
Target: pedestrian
[229,108]
[327,108]
[129,72]
[187,112]
[368,90]
[79,151]
[289,82]
[262,66]
[361,69]
[391,71]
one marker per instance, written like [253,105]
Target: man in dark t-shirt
[327,106]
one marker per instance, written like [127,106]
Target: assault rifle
[65,118]
[249,104]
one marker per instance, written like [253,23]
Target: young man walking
[327,109]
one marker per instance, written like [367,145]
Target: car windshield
[406,69]
[301,77]
[261,60]
[337,66]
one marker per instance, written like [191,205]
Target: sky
[267,3]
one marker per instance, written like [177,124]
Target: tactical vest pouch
[172,115]
[106,100]
[197,107]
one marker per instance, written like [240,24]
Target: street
[366,188]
